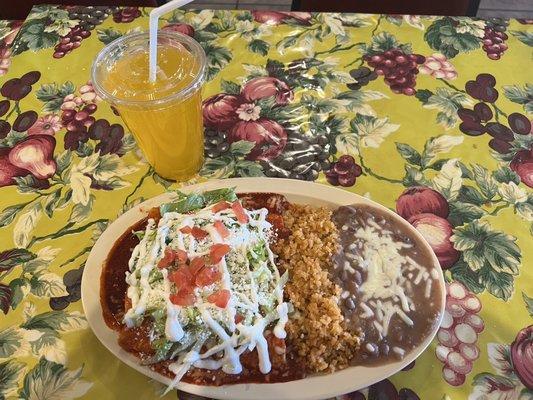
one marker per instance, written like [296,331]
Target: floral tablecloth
[429,116]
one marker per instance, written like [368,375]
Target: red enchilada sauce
[348,273]
[136,340]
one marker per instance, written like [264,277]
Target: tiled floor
[487,8]
[506,8]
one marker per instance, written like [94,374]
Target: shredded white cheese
[388,276]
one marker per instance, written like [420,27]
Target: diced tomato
[186,230]
[181,256]
[182,278]
[168,258]
[238,318]
[220,298]
[221,229]
[196,265]
[207,276]
[184,297]
[217,251]
[241,215]
[221,205]
[199,233]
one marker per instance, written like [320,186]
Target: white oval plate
[320,386]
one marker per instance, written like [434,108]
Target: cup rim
[184,93]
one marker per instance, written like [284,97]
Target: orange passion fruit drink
[165,116]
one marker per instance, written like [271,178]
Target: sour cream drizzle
[231,338]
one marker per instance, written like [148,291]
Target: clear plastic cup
[165,116]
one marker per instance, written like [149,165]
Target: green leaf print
[523,96]
[162,181]
[413,177]
[423,95]
[469,194]
[217,58]
[47,284]
[498,382]
[20,287]
[384,41]
[447,101]
[462,272]
[241,148]
[51,201]
[27,184]
[448,180]
[52,381]
[411,155]
[10,373]
[10,341]
[63,161]
[33,36]
[52,95]
[25,225]
[40,263]
[81,211]
[492,257]
[61,321]
[12,258]
[8,214]
[497,248]
[221,167]
[439,144]
[248,168]
[525,208]
[461,213]
[524,37]
[230,87]
[506,175]
[444,36]
[233,164]
[108,35]
[529,303]
[259,46]
[48,344]
[205,36]
[286,43]
[485,181]
[498,284]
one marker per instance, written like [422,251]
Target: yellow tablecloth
[438,103]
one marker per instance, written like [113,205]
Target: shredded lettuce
[184,204]
[214,196]
[258,253]
[194,316]
[162,349]
[155,275]
[139,234]
[195,201]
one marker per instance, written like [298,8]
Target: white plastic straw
[154,20]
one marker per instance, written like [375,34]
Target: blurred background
[482,8]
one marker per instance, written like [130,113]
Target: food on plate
[389,283]
[217,288]
[317,329]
